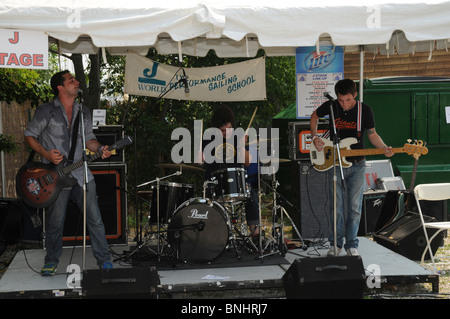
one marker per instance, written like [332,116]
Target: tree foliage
[153,120]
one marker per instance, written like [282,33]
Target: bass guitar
[323,160]
[39,184]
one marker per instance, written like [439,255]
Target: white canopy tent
[233,28]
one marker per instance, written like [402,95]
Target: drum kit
[191,229]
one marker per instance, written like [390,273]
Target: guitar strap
[74,137]
[359,121]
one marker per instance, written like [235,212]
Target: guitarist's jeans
[56,215]
[350,200]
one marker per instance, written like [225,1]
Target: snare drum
[231,185]
[171,196]
[198,231]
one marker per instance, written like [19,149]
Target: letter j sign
[23,49]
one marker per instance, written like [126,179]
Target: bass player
[351,119]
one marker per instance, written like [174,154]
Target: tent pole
[361,73]
[2,157]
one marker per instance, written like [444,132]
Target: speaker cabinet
[123,283]
[111,184]
[315,219]
[405,236]
[325,278]
[19,222]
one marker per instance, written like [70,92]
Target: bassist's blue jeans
[56,215]
[349,204]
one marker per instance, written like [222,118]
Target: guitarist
[352,119]
[50,135]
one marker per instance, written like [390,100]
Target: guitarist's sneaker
[107,265]
[48,269]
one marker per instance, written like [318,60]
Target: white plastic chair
[431,192]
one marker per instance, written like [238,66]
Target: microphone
[328,96]
[80,94]
[185,82]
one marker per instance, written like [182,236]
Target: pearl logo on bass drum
[195,214]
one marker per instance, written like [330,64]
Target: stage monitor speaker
[111,185]
[315,219]
[372,205]
[325,278]
[123,283]
[405,236]
[108,135]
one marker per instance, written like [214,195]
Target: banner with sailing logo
[317,72]
[244,81]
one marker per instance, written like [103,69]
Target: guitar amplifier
[108,135]
[299,139]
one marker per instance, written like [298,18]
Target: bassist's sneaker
[352,252]
[48,269]
[331,252]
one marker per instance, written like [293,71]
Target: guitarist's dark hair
[344,87]
[57,80]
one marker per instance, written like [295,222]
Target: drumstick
[251,120]
[199,151]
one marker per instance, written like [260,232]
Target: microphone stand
[85,181]
[338,153]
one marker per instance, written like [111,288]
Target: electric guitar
[323,160]
[39,184]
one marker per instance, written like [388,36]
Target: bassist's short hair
[344,87]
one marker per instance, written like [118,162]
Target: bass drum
[198,231]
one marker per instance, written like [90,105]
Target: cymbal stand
[234,226]
[276,241]
[287,215]
[158,180]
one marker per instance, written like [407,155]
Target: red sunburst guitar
[39,184]
[323,160]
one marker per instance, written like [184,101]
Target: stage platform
[214,280]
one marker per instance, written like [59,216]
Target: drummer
[231,154]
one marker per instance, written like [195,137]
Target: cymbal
[263,140]
[180,166]
[279,160]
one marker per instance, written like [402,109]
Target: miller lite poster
[317,71]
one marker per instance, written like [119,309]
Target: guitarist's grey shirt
[50,127]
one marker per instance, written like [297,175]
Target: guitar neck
[371,151]
[66,170]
